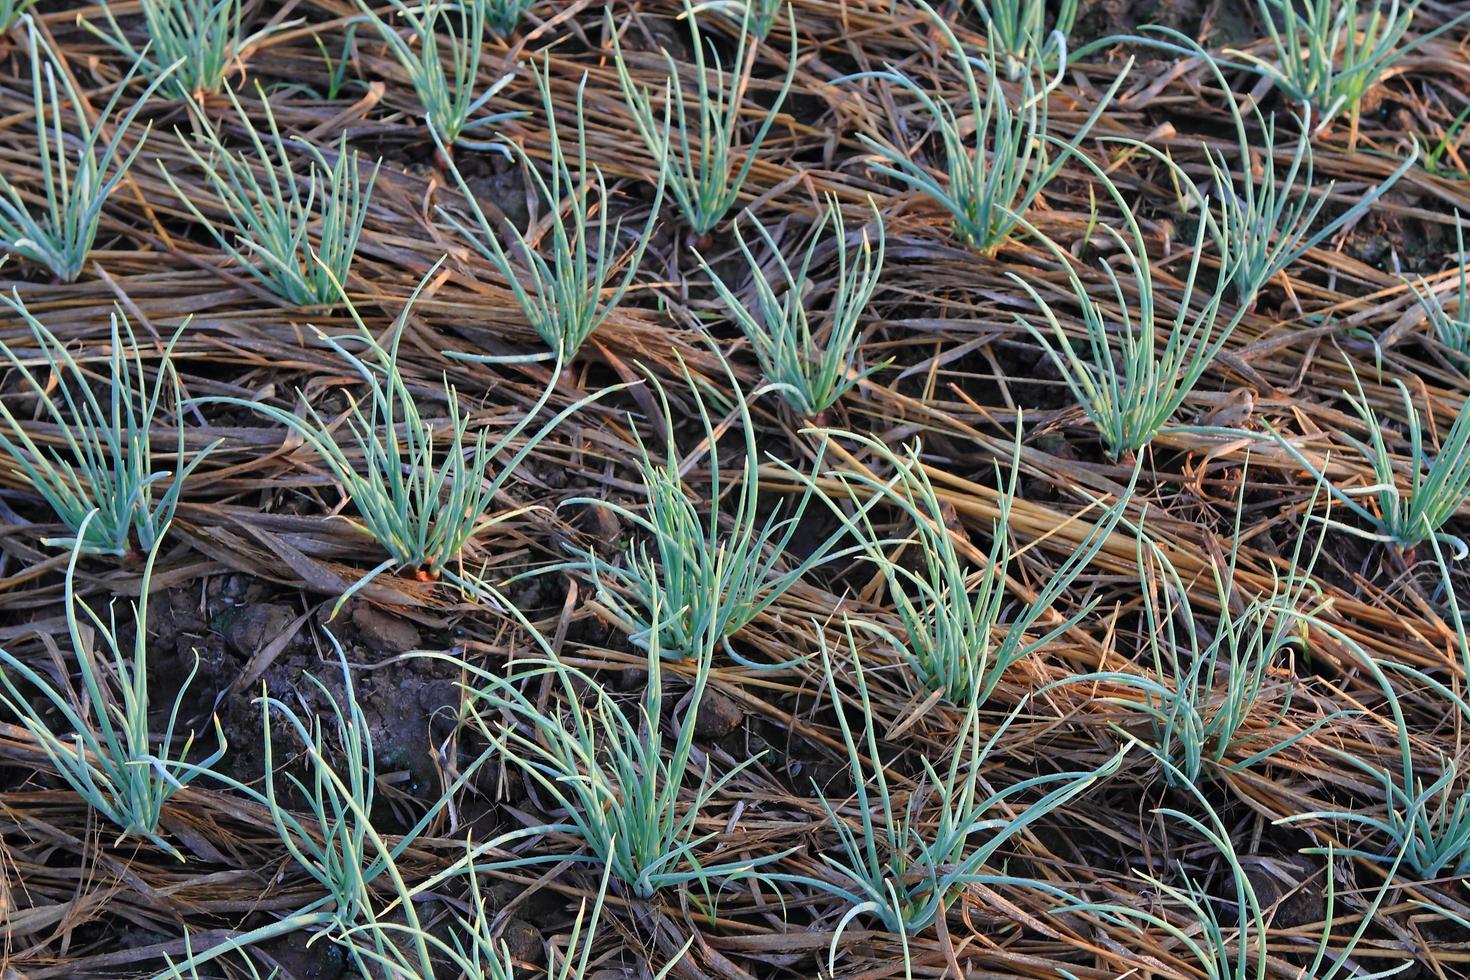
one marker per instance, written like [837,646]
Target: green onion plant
[1018,32]
[948,610]
[984,191]
[1328,53]
[98,739]
[334,842]
[697,156]
[1268,224]
[811,369]
[1222,949]
[570,296]
[1200,697]
[1451,329]
[102,476]
[1425,820]
[1426,816]
[757,17]
[421,498]
[203,38]
[904,857]
[1437,485]
[1127,384]
[474,950]
[618,782]
[710,576]
[80,166]
[504,15]
[440,52]
[276,212]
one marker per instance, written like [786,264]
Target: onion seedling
[421,499]
[277,213]
[710,577]
[104,748]
[79,168]
[811,369]
[103,476]
[570,296]
[697,156]
[984,190]
[440,52]
[202,38]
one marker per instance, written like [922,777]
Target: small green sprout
[1425,818]
[333,840]
[1238,950]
